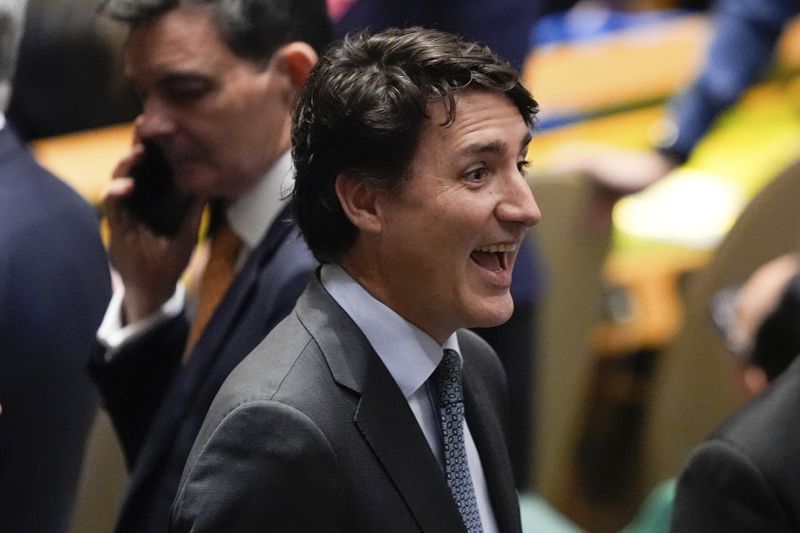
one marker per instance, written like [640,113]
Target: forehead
[483,119]
[184,37]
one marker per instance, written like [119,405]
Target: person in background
[370,407]
[742,477]
[54,286]
[69,76]
[758,322]
[217,80]
[744,37]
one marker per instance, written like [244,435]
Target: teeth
[494,248]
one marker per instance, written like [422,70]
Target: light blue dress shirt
[411,356]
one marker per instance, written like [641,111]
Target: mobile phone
[156,199]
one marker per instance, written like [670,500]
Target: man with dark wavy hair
[371,407]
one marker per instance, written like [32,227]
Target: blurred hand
[148,264]
[613,172]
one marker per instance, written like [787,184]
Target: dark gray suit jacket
[746,477]
[310,433]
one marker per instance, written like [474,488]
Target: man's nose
[154,121]
[518,203]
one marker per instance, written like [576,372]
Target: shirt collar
[410,354]
[2,120]
[251,215]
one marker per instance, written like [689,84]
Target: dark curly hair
[362,109]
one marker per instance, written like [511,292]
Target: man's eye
[523,166]
[188,92]
[478,174]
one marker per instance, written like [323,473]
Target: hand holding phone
[156,199]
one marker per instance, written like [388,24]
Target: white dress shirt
[249,217]
[411,356]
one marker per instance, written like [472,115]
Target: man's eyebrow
[495,146]
[482,148]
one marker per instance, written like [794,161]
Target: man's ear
[359,203]
[296,59]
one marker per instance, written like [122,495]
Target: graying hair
[12,20]
[253,29]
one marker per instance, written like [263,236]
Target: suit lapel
[184,390]
[490,441]
[232,304]
[382,416]
[394,435]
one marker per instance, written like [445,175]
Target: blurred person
[743,477]
[759,322]
[54,285]
[744,38]
[217,80]
[68,74]
[504,25]
[410,148]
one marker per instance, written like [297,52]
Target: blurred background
[629,374]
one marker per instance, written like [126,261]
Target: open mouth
[495,257]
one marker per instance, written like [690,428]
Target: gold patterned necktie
[214,282]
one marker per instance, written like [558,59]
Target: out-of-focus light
[687,208]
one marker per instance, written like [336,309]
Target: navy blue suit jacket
[54,286]
[157,406]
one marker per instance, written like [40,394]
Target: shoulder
[748,464]
[723,489]
[262,463]
[284,260]
[756,427]
[35,202]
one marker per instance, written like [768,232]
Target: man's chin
[495,315]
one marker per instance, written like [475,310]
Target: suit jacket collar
[389,427]
[382,415]
[230,308]
[206,351]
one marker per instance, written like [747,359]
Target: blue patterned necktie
[450,397]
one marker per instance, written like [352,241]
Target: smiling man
[371,408]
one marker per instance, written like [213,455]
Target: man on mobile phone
[217,81]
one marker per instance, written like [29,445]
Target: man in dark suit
[744,477]
[217,81]
[410,148]
[54,285]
